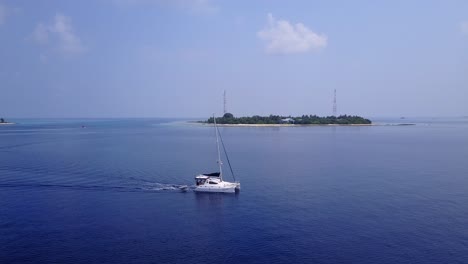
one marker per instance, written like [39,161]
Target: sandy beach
[278,125]
[298,125]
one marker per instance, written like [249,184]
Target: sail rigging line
[225,152]
[220,163]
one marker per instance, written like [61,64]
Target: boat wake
[167,187]
[155,187]
[69,177]
[148,185]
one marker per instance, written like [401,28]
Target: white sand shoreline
[291,125]
[286,125]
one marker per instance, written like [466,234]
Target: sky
[162,58]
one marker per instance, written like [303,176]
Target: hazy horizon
[190,118]
[174,59]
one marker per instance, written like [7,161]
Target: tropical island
[229,119]
[4,122]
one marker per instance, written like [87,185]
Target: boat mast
[220,163]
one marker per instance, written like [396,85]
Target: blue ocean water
[105,191]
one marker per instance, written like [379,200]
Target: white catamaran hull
[215,184]
[218,190]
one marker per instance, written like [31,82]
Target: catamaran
[213,182]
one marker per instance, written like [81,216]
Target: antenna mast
[220,163]
[224,110]
[334,104]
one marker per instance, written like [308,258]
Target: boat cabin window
[214,174]
[212,182]
[201,181]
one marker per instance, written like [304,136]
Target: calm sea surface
[107,193]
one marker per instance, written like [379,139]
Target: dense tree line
[228,118]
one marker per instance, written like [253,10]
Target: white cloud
[464,27]
[200,6]
[69,42]
[6,12]
[59,33]
[192,6]
[3,14]
[282,37]
[41,34]
[43,58]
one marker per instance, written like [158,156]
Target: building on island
[287,121]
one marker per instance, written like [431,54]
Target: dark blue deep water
[106,193]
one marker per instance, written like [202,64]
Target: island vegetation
[4,122]
[229,118]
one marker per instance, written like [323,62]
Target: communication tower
[334,104]
[224,110]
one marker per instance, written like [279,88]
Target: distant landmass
[229,118]
[4,122]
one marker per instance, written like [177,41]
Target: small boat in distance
[213,182]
